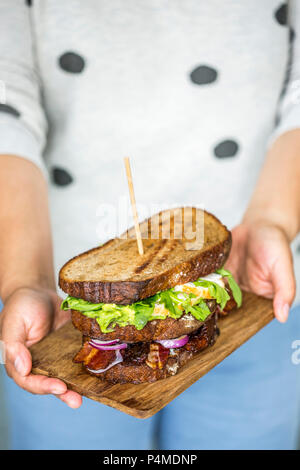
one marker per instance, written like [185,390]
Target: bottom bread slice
[147,362]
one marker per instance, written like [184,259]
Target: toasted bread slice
[178,247]
[154,330]
[134,368]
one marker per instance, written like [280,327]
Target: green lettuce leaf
[140,313]
[236,291]
[79,304]
[200,311]
[143,312]
[171,304]
[216,291]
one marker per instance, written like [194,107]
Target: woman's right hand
[28,315]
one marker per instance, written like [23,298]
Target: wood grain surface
[53,357]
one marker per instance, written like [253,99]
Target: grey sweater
[193,91]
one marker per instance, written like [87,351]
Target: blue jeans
[249,401]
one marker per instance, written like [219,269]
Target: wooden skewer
[133,205]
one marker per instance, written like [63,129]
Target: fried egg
[199,291]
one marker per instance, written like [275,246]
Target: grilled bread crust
[116,273]
[153,330]
[133,372]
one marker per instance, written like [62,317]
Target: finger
[72,399]
[16,330]
[13,330]
[18,366]
[39,384]
[235,263]
[61,318]
[18,359]
[281,309]
[283,280]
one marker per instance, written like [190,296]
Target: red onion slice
[103,343]
[118,359]
[106,347]
[174,343]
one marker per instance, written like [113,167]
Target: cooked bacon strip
[93,358]
[197,343]
[157,356]
[84,353]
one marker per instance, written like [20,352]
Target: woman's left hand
[261,261]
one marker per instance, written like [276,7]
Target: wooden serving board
[53,357]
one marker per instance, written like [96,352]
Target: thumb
[284,285]
[236,260]
[17,356]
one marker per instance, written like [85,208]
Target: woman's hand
[29,315]
[261,261]
[261,256]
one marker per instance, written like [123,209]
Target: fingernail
[284,312]
[73,404]
[57,390]
[19,365]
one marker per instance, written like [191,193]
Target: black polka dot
[281,14]
[226,148]
[61,177]
[71,62]
[28,2]
[203,75]
[6,108]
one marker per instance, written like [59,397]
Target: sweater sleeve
[288,114]
[23,125]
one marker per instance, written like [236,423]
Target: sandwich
[143,317]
